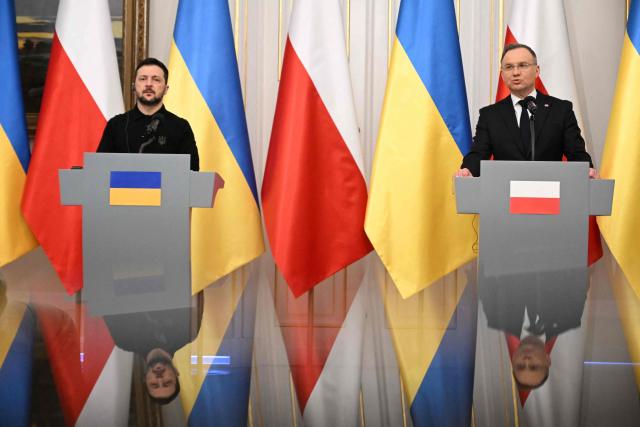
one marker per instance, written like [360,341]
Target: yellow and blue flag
[215,369]
[620,158]
[14,144]
[205,90]
[434,336]
[16,355]
[135,188]
[424,133]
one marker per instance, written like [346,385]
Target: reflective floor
[352,352]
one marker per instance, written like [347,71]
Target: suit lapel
[544,103]
[508,114]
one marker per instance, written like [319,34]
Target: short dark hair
[168,399]
[514,46]
[157,63]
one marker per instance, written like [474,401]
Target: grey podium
[136,228]
[533,221]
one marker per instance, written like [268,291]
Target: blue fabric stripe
[427,31]
[204,37]
[12,116]
[224,396]
[135,179]
[15,376]
[633,24]
[446,393]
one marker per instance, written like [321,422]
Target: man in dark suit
[499,132]
[534,315]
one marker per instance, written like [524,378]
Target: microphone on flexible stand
[152,129]
[530,103]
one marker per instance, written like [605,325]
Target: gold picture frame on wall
[35,21]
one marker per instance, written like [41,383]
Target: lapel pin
[546,105]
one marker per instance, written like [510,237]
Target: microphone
[530,102]
[151,129]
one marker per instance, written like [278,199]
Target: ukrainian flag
[424,132]
[620,159]
[135,188]
[16,351]
[14,144]
[205,90]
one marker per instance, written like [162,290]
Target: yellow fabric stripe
[135,196]
[220,303]
[411,216]
[417,325]
[620,158]
[10,320]
[629,312]
[230,234]
[17,238]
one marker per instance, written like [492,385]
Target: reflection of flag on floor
[314,192]
[542,25]
[205,90]
[424,132]
[14,144]
[434,336]
[215,369]
[16,355]
[92,375]
[81,92]
[621,230]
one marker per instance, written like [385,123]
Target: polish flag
[534,197]
[82,91]
[542,25]
[314,197]
[314,192]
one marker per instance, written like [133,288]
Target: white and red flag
[314,193]
[542,25]
[314,197]
[534,197]
[82,91]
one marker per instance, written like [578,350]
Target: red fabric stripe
[65,339]
[534,205]
[503,90]
[69,124]
[313,194]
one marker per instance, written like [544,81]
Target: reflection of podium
[135,228]
[533,220]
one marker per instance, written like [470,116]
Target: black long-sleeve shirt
[163,132]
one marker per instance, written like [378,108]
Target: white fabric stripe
[84,30]
[334,400]
[317,35]
[547,189]
[542,25]
[108,403]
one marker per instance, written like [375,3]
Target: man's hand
[463,172]
[593,174]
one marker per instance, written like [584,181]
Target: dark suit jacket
[497,134]
[559,305]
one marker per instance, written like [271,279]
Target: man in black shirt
[149,127]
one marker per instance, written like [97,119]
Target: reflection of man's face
[150,85]
[530,362]
[161,376]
